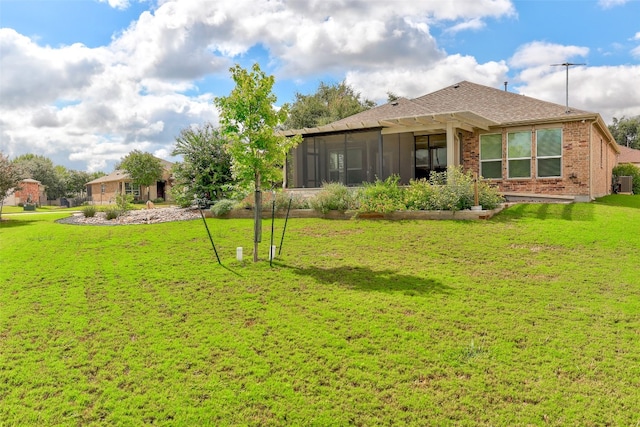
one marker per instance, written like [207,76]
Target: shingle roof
[120,175]
[628,155]
[482,104]
[495,104]
[116,175]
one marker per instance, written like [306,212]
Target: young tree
[249,120]
[143,168]
[205,172]
[330,103]
[10,177]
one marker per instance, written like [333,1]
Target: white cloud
[472,24]
[606,90]
[606,4]
[637,36]
[412,82]
[117,4]
[540,53]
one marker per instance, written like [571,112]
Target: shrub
[123,202]
[112,213]
[381,196]
[89,211]
[489,197]
[451,190]
[222,207]
[297,201]
[627,169]
[158,200]
[333,196]
[418,195]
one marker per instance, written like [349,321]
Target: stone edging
[393,216]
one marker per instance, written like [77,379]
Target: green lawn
[531,318]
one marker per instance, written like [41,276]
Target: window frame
[131,188]
[560,156]
[530,157]
[492,160]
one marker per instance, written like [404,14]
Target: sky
[85,82]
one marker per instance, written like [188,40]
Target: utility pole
[566,65]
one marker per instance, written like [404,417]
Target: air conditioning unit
[626,184]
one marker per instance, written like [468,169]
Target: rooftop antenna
[566,65]
[505,86]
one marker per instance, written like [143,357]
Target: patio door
[431,155]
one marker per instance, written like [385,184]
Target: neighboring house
[29,190]
[103,190]
[527,147]
[629,155]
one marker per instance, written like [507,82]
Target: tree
[249,120]
[626,131]
[10,177]
[330,103]
[205,172]
[143,168]
[41,169]
[73,181]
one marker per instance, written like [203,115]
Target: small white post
[239,253]
[272,254]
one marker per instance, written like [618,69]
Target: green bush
[297,201]
[123,202]
[223,206]
[158,200]
[627,169]
[332,196]
[112,213]
[418,194]
[451,190]
[89,211]
[489,197]
[381,196]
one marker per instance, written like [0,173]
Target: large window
[491,156]
[133,189]
[549,152]
[519,154]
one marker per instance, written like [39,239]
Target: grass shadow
[366,279]
[621,200]
[547,211]
[8,223]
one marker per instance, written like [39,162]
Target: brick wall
[575,162]
[604,159]
[28,189]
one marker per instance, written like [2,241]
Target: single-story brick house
[103,190]
[29,190]
[629,155]
[527,147]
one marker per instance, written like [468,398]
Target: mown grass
[531,318]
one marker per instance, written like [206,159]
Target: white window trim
[530,158]
[561,157]
[501,159]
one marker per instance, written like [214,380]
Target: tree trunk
[257,218]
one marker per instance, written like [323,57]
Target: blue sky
[84,82]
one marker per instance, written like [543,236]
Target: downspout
[380,155]
[591,162]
